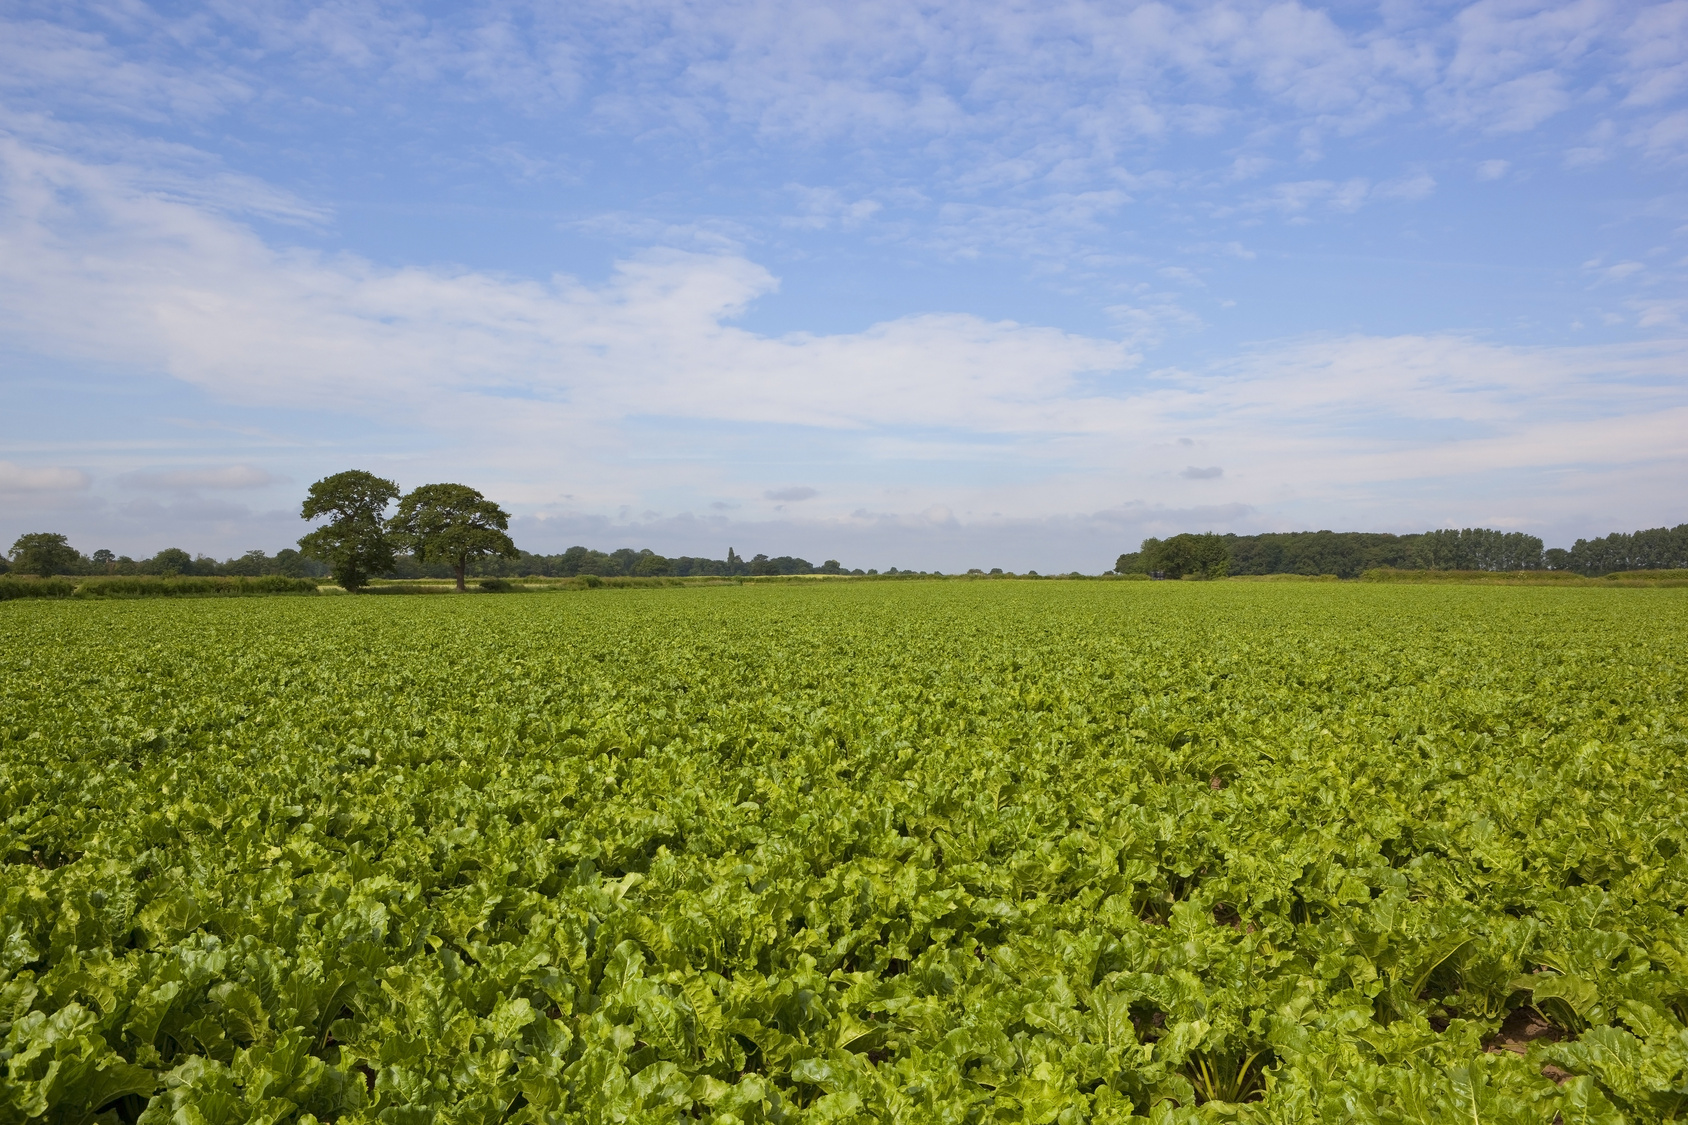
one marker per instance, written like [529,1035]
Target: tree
[250,565]
[169,562]
[649,564]
[1202,556]
[354,542]
[454,523]
[292,564]
[45,553]
[1477,548]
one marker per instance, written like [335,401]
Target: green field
[913,852]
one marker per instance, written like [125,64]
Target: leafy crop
[942,852]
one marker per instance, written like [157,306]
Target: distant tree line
[48,553]
[645,563]
[437,531]
[57,557]
[452,531]
[1657,548]
[1348,554]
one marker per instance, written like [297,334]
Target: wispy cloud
[216,478]
[1058,99]
[1138,163]
[16,478]
[529,384]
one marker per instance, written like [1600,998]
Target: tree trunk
[458,567]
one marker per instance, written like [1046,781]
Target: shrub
[12,588]
[148,587]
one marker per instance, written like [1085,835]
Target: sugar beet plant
[901,852]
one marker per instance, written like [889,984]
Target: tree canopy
[1348,554]
[45,553]
[1198,556]
[1657,548]
[354,543]
[452,522]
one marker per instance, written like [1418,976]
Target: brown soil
[1522,1027]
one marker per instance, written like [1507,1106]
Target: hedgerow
[12,589]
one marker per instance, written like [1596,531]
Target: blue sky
[926,285]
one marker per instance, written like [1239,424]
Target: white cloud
[1150,317]
[209,477]
[1347,196]
[1524,102]
[1669,314]
[971,130]
[1248,167]
[1299,196]
[537,386]
[1667,136]
[821,207]
[1657,56]
[15,478]
[84,69]
[96,269]
[1419,185]
[1504,74]
[1618,271]
[1023,122]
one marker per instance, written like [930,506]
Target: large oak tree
[354,543]
[453,523]
[45,553]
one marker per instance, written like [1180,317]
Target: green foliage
[835,852]
[154,587]
[193,587]
[452,522]
[1564,578]
[44,553]
[1477,548]
[1348,554]
[1342,553]
[169,563]
[13,588]
[1659,548]
[1194,556]
[354,543]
